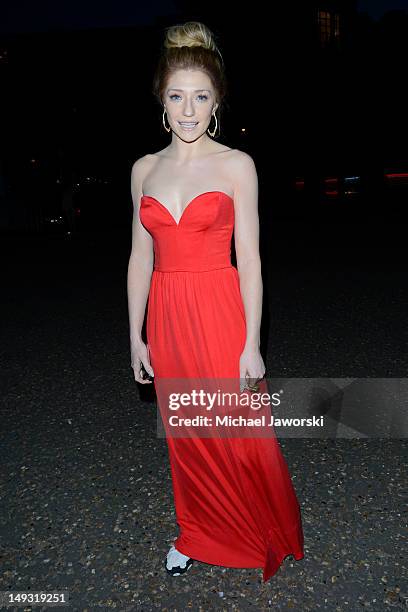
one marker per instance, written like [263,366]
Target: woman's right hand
[140,355]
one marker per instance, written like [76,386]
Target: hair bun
[190,34]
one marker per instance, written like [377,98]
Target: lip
[184,127]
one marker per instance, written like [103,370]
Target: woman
[234,499]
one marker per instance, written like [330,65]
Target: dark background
[318,87]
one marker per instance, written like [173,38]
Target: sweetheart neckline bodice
[177,223]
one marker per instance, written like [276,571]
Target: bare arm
[246,232]
[140,269]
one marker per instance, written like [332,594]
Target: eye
[202,96]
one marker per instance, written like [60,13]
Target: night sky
[376,8]
[43,15]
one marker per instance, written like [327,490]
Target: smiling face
[189,100]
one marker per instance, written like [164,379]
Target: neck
[183,152]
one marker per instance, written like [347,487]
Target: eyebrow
[196,90]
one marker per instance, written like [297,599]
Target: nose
[188,110]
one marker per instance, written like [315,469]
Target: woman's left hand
[251,367]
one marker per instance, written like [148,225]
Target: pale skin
[191,164]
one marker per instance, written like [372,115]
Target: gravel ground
[86,490]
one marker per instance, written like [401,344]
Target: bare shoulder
[241,160]
[141,164]
[140,169]
[242,169]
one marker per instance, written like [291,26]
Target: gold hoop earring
[164,123]
[216,126]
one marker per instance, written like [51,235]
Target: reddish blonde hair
[190,46]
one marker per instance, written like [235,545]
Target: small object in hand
[254,387]
[144,373]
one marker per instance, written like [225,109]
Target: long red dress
[234,499]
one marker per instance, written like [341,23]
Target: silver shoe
[177,570]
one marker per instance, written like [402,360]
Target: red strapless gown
[234,499]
